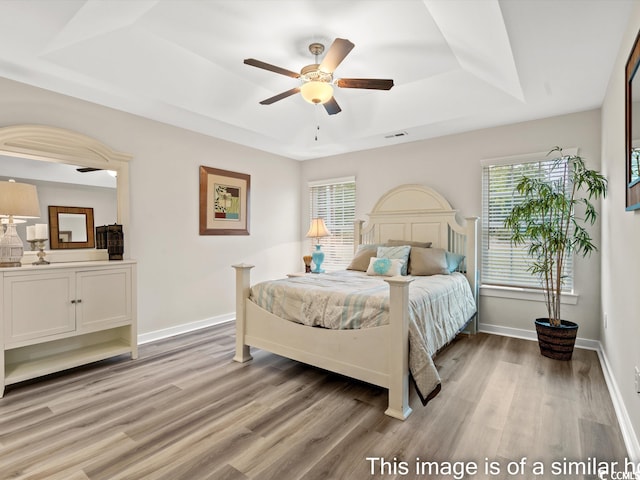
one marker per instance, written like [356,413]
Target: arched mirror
[72,150]
[632,117]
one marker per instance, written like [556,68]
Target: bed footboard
[376,355]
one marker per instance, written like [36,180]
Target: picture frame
[71,228]
[224,202]
[632,127]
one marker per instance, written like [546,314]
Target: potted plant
[546,220]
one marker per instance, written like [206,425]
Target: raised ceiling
[458,65]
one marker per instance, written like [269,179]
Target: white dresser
[63,315]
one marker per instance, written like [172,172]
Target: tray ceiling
[457,65]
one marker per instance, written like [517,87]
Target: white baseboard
[628,433]
[184,328]
[626,427]
[585,343]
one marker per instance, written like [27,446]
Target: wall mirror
[632,133]
[61,146]
[71,227]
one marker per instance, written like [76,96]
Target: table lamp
[317,230]
[16,200]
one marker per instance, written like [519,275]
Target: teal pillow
[453,261]
[401,253]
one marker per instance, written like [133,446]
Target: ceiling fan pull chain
[317,106]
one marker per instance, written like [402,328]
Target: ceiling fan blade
[272,68]
[338,50]
[332,107]
[370,83]
[87,169]
[280,96]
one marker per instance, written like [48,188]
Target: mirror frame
[53,144]
[54,230]
[632,185]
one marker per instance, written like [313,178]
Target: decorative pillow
[429,261]
[385,267]
[360,261]
[401,253]
[411,243]
[453,261]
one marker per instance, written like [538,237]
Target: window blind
[504,264]
[334,201]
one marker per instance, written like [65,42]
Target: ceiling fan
[317,79]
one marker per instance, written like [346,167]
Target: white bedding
[439,306]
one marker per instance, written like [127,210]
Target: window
[334,201]
[504,264]
[635,163]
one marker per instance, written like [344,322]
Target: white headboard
[419,213]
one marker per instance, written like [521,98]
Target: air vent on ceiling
[397,134]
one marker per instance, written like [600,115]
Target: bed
[379,354]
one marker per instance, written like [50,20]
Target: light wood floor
[184,410]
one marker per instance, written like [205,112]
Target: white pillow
[385,267]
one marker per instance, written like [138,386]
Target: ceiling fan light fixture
[316,92]
[316,79]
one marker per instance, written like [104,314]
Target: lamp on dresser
[317,230]
[16,200]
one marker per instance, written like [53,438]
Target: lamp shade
[19,200]
[318,229]
[316,92]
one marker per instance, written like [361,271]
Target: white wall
[182,277]
[452,165]
[620,240]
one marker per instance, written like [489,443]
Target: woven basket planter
[556,342]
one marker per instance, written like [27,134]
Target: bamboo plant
[547,221]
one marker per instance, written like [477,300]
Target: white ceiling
[458,65]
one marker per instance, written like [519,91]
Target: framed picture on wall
[224,202]
[632,128]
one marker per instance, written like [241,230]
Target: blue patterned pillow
[385,267]
[401,253]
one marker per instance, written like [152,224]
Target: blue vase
[318,258]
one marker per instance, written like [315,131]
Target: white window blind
[334,201]
[505,264]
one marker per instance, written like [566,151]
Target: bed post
[399,347]
[472,265]
[243,284]
[357,234]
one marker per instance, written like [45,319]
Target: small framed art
[224,202]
